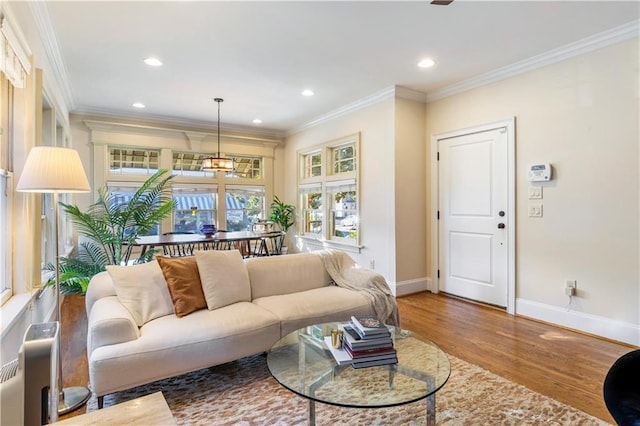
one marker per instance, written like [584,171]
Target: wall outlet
[570,287]
[372,264]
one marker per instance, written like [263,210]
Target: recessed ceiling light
[139,105]
[426,63]
[307,92]
[257,121]
[154,62]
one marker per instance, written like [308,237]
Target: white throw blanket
[346,273]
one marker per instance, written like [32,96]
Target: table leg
[431,410]
[312,412]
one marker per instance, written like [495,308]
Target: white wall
[580,115]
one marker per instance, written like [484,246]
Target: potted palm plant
[284,216]
[110,230]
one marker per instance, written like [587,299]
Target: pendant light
[218,163]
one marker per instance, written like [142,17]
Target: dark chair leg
[100,402]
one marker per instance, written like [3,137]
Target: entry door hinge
[438,215]
[438,273]
[438,156]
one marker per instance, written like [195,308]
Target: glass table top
[302,363]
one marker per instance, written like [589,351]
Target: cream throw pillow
[224,277]
[143,290]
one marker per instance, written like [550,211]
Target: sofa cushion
[224,277]
[183,280]
[274,275]
[326,304]
[143,290]
[169,346]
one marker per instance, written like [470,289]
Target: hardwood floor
[567,366]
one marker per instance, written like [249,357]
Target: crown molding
[42,18]
[389,92]
[580,47]
[410,94]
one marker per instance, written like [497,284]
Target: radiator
[29,384]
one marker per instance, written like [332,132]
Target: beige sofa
[286,293]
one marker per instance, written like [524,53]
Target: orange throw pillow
[183,280]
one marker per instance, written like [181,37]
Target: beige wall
[375,125]
[580,115]
[392,186]
[410,185]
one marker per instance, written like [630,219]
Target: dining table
[251,243]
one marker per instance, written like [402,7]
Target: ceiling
[259,56]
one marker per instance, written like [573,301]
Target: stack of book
[368,342]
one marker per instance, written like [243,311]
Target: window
[311,208]
[6,186]
[133,161]
[312,165]
[247,168]
[343,223]
[195,206]
[189,164]
[328,198]
[122,193]
[232,201]
[344,159]
[244,205]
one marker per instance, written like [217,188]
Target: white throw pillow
[224,277]
[143,290]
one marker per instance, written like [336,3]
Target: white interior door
[473,226]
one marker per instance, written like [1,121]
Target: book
[353,340]
[363,354]
[341,356]
[378,357]
[375,363]
[370,336]
[369,325]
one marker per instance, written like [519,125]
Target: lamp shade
[53,169]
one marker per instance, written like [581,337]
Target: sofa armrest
[100,286]
[110,323]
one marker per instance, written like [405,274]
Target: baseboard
[587,323]
[412,286]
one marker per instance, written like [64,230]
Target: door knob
[501,226]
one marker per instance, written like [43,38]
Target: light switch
[535,192]
[535,210]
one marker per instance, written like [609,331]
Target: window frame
[329,178]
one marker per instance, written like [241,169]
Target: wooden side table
[146,410]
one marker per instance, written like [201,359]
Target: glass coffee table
[302,363]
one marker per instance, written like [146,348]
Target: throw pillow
[224,277]
[183,279]
[143,290]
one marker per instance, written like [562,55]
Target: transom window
[344,159]
[312,164]
[189,164]
[133,161]
[247,168]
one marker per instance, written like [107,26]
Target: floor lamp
[57,170]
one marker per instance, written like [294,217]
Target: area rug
[244,393]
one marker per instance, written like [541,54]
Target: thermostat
[540,172]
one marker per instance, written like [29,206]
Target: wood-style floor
[567,366]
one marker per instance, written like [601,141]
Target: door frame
[509,124]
